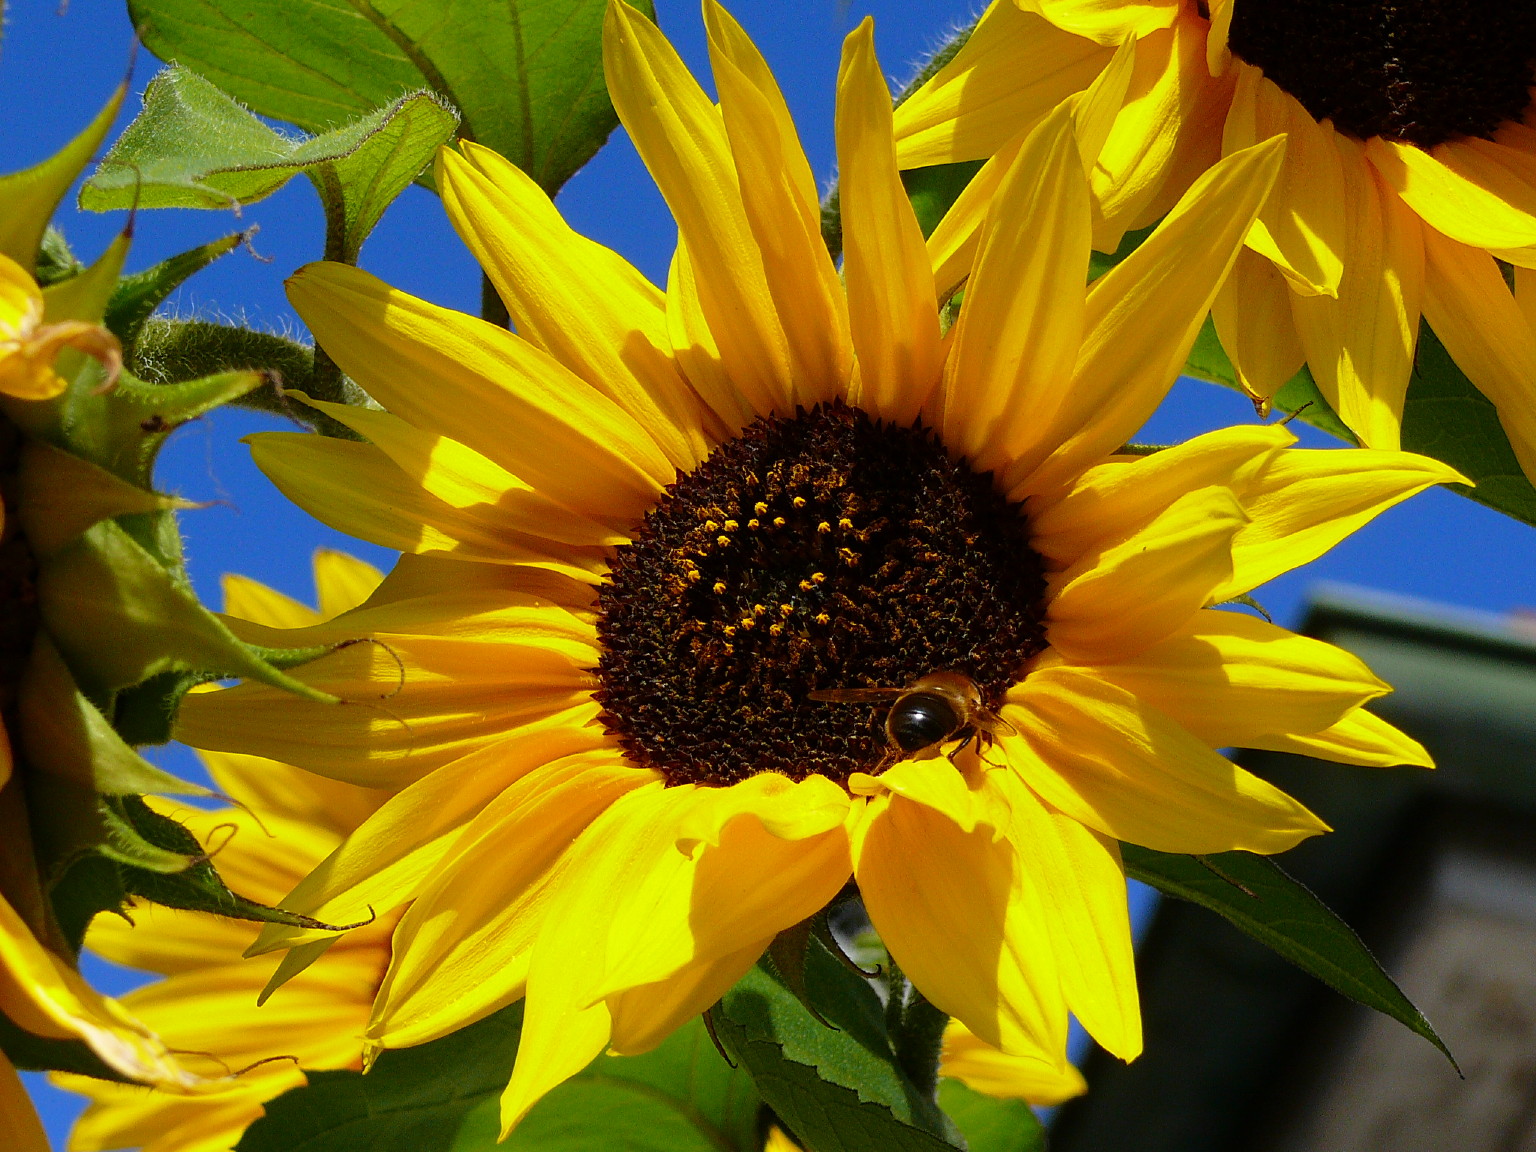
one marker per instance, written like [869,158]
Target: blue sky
[57,67]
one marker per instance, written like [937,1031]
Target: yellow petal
[1099,755]
[784,212]
[282,790]
[18,1119]
[1167,131]
[1143,315]
[1106,21]
[1082,883]
[465,480]
[1015,67]
[582,303]
[1304,501]
[681,136]
[252,600]
[1252,312]
[471,381]
[1486,332]
[358,489]
[342,582]
[1230,679]
[938,784]
[952,246]
[43,995]
[1034,1078]
[1477,192]
[1359,738]
[1360,346]
[643,1017]
[1301,227]
[895,322]
[1114,604]
[1110,502]
[1017,338]
[697,351]
[416,692]
[966,926]
[392,854]
[461,952]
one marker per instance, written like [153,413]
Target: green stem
[920,1042]
[491,307]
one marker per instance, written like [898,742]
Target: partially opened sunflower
[208,1006]
[1410,166]
[644,529]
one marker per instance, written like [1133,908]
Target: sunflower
[642,531]
[287,823]
[1410,170]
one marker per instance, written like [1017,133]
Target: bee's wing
[994,725]
[854,695]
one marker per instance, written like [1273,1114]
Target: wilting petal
[1099,755]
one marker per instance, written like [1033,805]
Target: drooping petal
[1020,327]
[1111,501]
[1301,228]
[681,136]
[1096,753]
[1304,501]
[1111,605]
[1015,67]
[963,922]
[472,381]
[1360,345]
[1230,679]
[1360,738]
[462,949]
[1486,332]
[1082,885]
[891,305]
[778,193]
[1477,192]
[1035,1078]
[581,302]
[1253,320]
[1143,315]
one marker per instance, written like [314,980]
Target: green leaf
[118,616]
[28,198]
[1256,896]
[1446,417]
[990,1124]
[193,146]
[525,75]
[838,1089]
[445,1096]
[137,296]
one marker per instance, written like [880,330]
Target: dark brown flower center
[815,552]
[1418,71]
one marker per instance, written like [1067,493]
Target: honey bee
[926,713]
